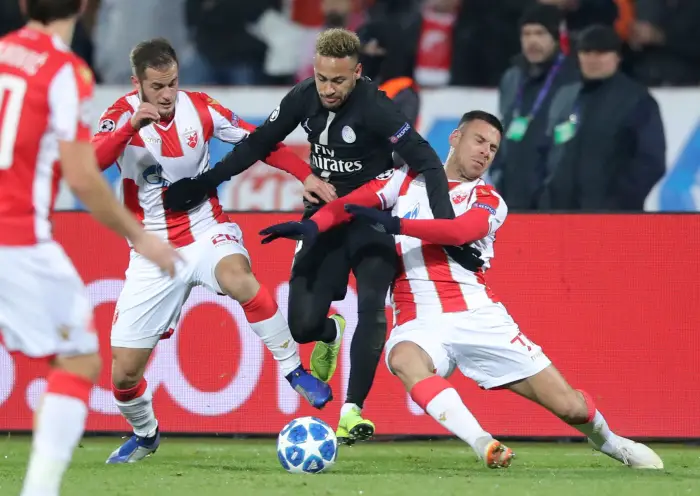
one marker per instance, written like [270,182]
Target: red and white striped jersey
[45,98]
[430,281]
[161,153]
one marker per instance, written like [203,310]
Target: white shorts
[44,308]
[485,343]
[150,302]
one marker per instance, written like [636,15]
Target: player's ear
[454,138]
[135,82]
[358,71]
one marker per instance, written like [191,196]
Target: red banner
[614,301]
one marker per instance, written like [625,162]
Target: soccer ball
[307,445]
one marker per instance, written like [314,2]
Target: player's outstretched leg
[549,389]
[135,402]
[374,266]
[440,400]
[234,276]
[59,423]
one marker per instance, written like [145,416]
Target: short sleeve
[387,185]
[70,102]
[487,198]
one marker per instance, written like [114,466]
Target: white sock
[598,431]
[269,324]
[442,402]
[277,337]
[347,407]
[136,405]
[58,428]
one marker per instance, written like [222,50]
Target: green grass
[203,467]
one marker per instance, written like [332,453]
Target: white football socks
[58,428]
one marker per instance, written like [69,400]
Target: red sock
[65,383]
[260,307]
[424,391]
[131,393]
[442,402]
[58,427]
[136,405]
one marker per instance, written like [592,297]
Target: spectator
[336,14]
[394,80]
[666,39]
[423,41]
[488,39]
[10,16]
[580,14]
[117,30]
[525,93]
[229,53]
[608,146]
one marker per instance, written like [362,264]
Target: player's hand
[157,251]
[381,220]
[466,255]
[146,114]
[185,194]
[315,188]
[306,230]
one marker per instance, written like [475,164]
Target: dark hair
[46,11]
[157,53]
[480,115]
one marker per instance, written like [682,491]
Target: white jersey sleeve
[228,127]
[70,105]
[488,199]
[387,185]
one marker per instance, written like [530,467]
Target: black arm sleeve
[409,103]
[387,120]
[262,141]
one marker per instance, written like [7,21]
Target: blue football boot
[314,390]
[135,449]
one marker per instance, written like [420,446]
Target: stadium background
[612,298]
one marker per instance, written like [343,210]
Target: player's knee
[236,278]
[306,323]
[86,366]
[370,301]
[408,361]
[128,367]
[122,379]
[372,326]
[572,408]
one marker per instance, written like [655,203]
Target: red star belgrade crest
[192,139]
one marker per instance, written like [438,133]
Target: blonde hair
[338,43]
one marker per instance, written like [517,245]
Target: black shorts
[328,261]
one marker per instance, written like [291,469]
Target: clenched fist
[146,114]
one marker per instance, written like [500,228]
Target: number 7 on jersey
[12,90]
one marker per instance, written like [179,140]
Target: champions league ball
[307,445]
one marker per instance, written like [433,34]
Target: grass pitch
[212,467]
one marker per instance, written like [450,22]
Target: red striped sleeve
[467,228]
[109,146]
[334,213]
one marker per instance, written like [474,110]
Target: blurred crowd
[560,66]
[438,42]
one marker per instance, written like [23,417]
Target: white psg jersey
[163,153]
[430,281]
